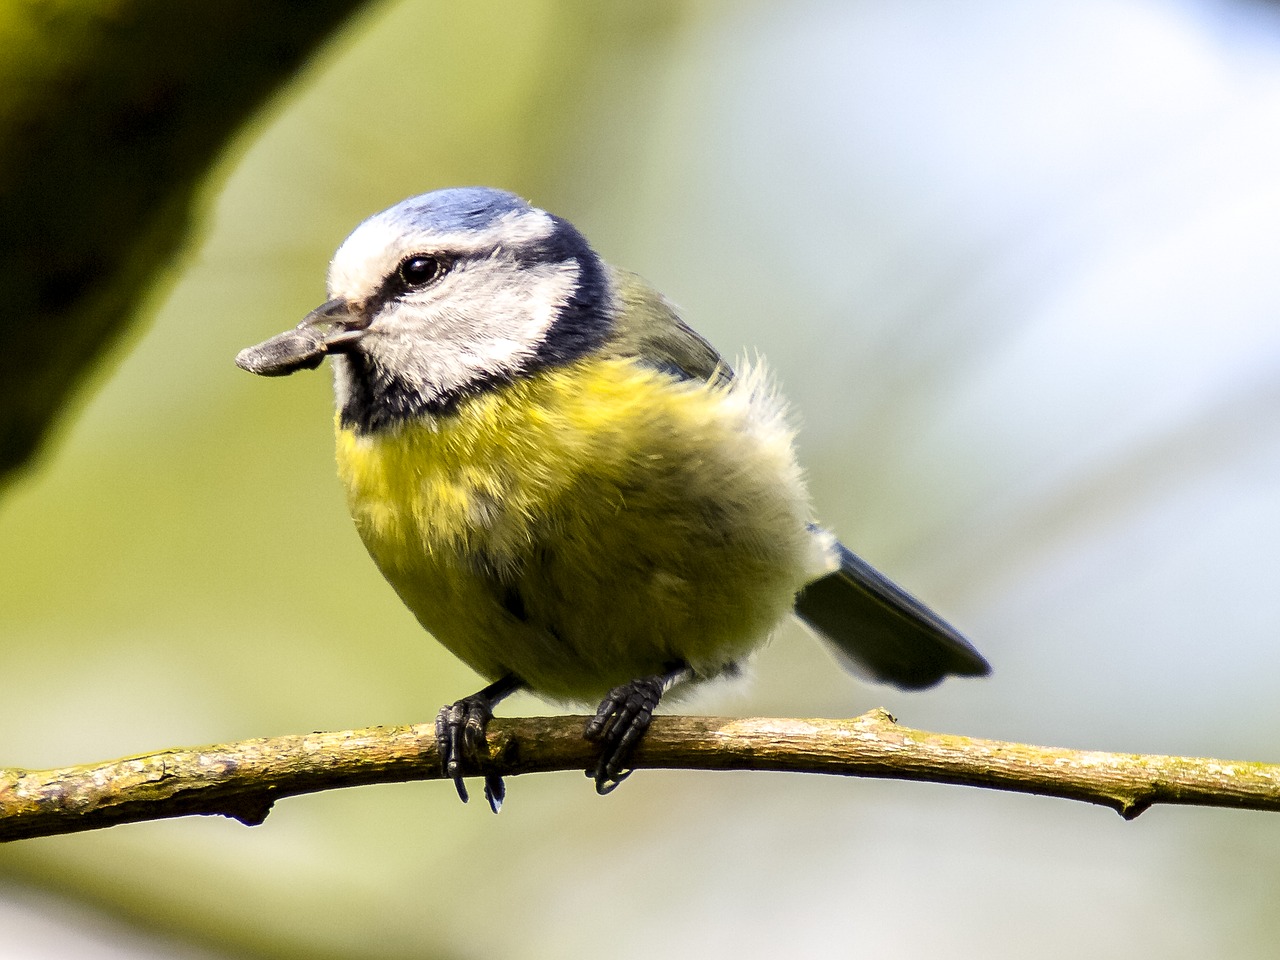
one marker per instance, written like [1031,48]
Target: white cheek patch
[487,319]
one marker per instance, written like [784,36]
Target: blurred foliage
[112,114]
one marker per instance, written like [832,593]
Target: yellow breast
[589,524]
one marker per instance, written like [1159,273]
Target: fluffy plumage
[565,483]
[590,523]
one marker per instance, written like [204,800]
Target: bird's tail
[879,631]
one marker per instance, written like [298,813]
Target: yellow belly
[589,524]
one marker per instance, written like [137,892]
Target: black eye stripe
[395,284]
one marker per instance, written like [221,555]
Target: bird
[567,485]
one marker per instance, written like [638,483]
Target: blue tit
[566,485]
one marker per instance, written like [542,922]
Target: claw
[460,738]
[495,791]
[621,721]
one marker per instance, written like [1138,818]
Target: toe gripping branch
[460,737]
[621,721]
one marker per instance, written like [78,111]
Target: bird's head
[441,296]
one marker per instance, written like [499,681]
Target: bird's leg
[623,718]
[460,736]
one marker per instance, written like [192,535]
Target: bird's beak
[333,327]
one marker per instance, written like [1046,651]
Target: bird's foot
[460,738]
[621,721]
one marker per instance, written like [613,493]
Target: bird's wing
[876,629]
[647,326]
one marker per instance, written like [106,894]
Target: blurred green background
[1015,266]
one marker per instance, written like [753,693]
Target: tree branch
[242,780]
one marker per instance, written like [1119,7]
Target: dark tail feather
[879,630]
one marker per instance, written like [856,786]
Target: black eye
[418,271]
